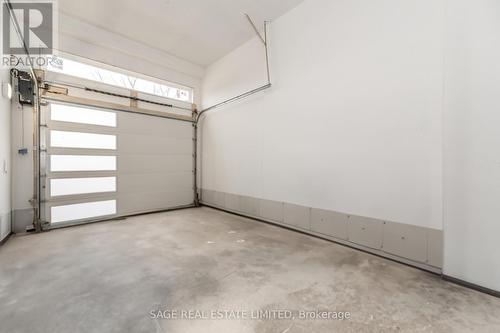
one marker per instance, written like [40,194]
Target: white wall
[22,166]
[241,71]
[353,120]
[5,161]
[472,141]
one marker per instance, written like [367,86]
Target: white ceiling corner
[199,31]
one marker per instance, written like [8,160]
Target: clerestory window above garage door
[94,73]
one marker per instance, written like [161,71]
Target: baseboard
[471,286]
[411,245]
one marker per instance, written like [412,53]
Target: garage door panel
[148,144]
[79,151]
[57,125]
[140,202]
[125,124]
[94,170]
[70,200]
[155,181]
[139,124]
[69,174]
[128,164]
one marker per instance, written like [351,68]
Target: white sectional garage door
[101,163]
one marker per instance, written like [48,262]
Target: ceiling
[200,31]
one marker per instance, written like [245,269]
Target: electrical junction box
[26,88]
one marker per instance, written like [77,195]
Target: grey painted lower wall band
[22,218]
[411,245]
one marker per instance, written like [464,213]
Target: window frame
[121,71]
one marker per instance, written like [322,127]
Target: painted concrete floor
[116,276]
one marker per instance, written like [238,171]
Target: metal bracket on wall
[255,29]
[264,40]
